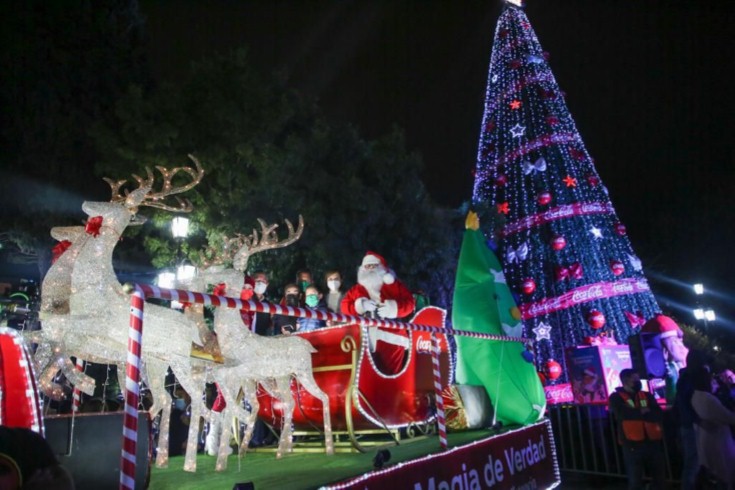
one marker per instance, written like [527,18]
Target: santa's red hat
[377,259]
[373,258]
[662,324]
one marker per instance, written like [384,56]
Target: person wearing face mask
[303,280]
[335,294]
[261,321]
[315,301]
[284,324]
[640,431]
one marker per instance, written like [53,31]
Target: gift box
[466,407]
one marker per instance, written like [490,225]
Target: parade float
[542,293]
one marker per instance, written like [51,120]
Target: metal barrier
[586,441]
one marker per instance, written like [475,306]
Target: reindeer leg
[309,383]
[193,383]
[250,388]
[226,384]
[161,403]
[282,390]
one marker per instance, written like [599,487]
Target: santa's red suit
[379,293]
[396,291]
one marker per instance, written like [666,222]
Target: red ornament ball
[543,198]
[558,242]
[620,229]
[501,180]
[593,180]
[617,267]
[553,369]
[596,319]
[528,286]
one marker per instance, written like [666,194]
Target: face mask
[304,285]
[312,300]
[260,287]
[637,386]
[292,300]
[334,285]
[180,404]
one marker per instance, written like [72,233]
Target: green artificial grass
[296,470]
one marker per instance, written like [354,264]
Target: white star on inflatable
[596,232]
[498,276]
[543,331]
[517,131]
[635,262]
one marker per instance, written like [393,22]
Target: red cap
[663,325]
[373,258]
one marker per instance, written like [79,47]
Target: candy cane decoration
[440,420]
[132,392]
[77,394]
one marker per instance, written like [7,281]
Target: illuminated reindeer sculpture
[270,361]
[96,328]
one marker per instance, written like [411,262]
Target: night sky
[646,83]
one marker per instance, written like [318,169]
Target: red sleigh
[379,380]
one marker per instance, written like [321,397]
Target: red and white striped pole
[77,394]
[440,420]
[132,391]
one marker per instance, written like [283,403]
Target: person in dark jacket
[686,418]
[640,431]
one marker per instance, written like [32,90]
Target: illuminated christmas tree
[565,254]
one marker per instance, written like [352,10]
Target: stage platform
[515,458]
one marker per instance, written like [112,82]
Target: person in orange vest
[640,431]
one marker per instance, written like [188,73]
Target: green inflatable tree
[484,304]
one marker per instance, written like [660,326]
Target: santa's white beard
[372,280]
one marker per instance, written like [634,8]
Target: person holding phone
[284,324]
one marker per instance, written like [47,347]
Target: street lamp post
[704,314]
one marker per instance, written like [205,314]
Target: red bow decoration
[635,319]
[94,223]
[574,271]
[220,289]
[59,250]
[185,305]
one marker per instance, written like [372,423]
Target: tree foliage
[63,66]
[269,153]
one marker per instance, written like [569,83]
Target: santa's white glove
[389,309]
[363,305]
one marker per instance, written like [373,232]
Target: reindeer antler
[267,240]
[215,254]
[154,199]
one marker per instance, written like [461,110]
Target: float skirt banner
[521,458]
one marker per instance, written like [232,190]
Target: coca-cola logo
[588,294]
[423,346]
[622,287]
[559,393]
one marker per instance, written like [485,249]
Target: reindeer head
[118,213]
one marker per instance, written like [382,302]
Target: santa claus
[377,291]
